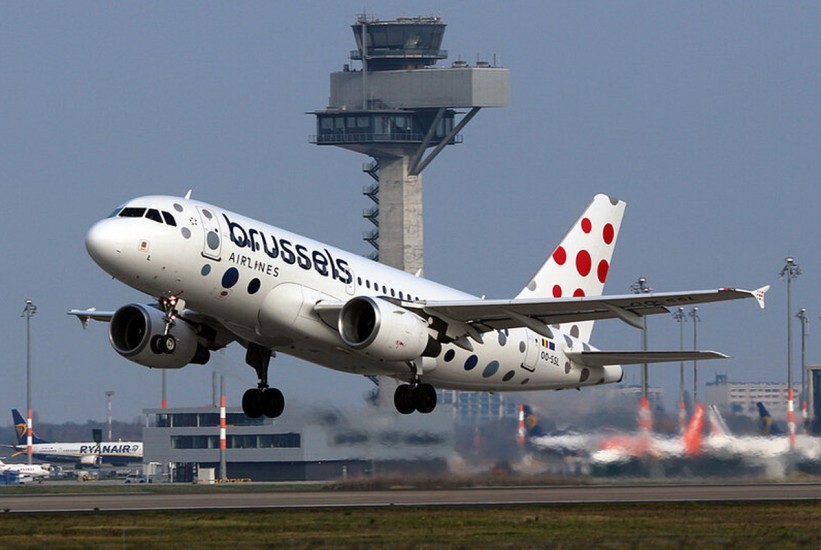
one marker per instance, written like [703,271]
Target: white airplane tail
[580,264]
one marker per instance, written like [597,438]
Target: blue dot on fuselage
[490,369]
[206,269]
[471,362]
[253,286]
[230,278]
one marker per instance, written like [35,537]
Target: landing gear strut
[165,342]
[261,400]
[415,397]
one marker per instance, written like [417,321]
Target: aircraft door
[212,240]
[532,352]
[350,288]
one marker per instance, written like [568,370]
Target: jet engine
[133,328]
[383,330]
[91,460]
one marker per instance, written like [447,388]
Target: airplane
[218,277]
[773,443]
[84,453]
[27,472]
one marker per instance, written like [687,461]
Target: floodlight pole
[681,317]
[790,271]
[109,394]
[640,287]
[802,315]
[696,320]
[29,310]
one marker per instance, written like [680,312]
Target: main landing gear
[165,342]
[415,397]
[261,400]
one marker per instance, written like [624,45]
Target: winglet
[758,294]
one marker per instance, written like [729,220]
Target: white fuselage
[119,452]
[261,283]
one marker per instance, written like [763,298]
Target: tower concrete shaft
[401,238]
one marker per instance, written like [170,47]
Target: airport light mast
[28,311]
[696,320]
[790,271]
[802,315]
[681,318]
[108,395]
[395,108]
[645,418]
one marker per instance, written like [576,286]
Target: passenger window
[153,214]
[132,212]
[169,219]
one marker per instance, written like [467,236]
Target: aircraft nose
[103,244]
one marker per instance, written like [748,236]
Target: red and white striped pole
[223,442]
[222,423]
[791,417]
[29,437]
[645,417]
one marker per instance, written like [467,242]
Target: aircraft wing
[604,358]
[485,315]
[86,315]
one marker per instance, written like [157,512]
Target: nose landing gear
[165,342]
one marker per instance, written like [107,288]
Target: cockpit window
[115,212]
[132,212]
[169,219]
[153,214]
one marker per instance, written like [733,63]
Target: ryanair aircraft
[219,277]
[117,453]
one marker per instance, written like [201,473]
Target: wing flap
[605,358]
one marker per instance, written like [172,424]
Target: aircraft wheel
[273,402]
[168,343]
[424,398]
[156,344]
[403,399]
[252,403]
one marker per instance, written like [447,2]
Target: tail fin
[768,425]
[692,436]
[21,427]
[528,425]
[579,265]
[718,427]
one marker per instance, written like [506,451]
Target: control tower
[396,107]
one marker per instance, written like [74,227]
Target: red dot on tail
[560,256]
[557,291]
[586,225]
[583,263]
[602,270]
[608,233]
[578,293]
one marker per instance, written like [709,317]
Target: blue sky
[704,117]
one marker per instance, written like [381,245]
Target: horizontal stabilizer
[604,358]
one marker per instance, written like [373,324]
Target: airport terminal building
[306,445]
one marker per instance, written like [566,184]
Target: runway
[214,499]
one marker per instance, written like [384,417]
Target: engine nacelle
[91,460]
[133,326]
[383,330]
